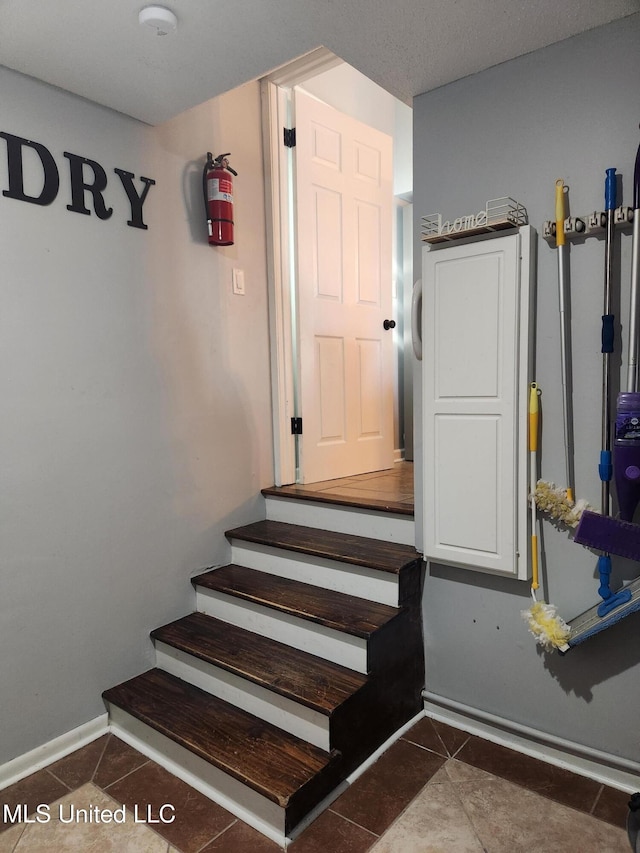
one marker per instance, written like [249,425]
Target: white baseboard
[600,766]
[24,765]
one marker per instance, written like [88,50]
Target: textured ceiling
[98,49]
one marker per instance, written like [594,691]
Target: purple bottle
[626,453]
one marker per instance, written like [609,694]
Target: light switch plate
[238,282]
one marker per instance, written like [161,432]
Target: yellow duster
[557,504]
[549,629]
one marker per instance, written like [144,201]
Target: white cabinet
[477,334]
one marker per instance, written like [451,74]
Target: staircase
[304,656]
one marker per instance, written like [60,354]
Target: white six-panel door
[344,239]
[475,374]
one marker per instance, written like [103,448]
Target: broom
[549,629]
[559,503]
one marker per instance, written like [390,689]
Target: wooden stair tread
[304,678]
[269,760]
[345,547]
[299,493]
[347,613]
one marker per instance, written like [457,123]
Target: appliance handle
[416,324]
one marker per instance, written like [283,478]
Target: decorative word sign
[499,213]
[87,177]
[464,223]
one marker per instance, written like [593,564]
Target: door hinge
[296,426]
[289,137]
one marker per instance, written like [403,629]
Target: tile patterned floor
[436,790]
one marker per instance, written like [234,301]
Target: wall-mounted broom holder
[591,225]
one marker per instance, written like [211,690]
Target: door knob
[389,324]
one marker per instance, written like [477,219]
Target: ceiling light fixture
[158,18]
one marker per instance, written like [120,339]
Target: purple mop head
[609,535]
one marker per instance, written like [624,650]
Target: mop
[562,292]
[620,536]
[549,629]
[559,503]
[616,536]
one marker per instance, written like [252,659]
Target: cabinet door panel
[475,373]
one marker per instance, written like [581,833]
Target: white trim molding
[293,73]
[24,765]
[275,156]
[600,766]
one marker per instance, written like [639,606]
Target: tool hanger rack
[590,225]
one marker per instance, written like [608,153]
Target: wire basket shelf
[499,214]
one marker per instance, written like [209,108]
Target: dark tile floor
[382,808]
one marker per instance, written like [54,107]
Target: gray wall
[135,395]
[570,111]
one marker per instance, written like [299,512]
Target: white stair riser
[360,581]
[239,799]
[284,713]
[318,640]
[360,522]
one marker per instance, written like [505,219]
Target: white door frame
[280,259]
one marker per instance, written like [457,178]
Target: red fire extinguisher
[217,186]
